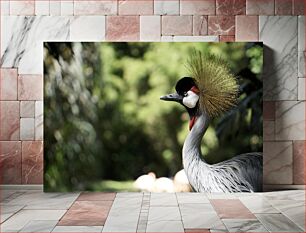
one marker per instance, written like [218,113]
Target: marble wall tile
[27,109]
[55,7]
[268,130]
[150,28]
[42,7]
[301,88]
[246,28]
[22,7]
[166,38]
[5,7]
[32,162]
[200,25]
[279,34]
[298,162]
[230,7]
[66,7]
[283,7]
[8,84]
[260,7]
[298,7]
[277,164]
[27,129]
[221,25]
[10,162]
[135,7]
[166,7]
[122,28]
[203,7]
[224,38]
[9,120]
[95,7]
[30,87]
[39,120]
[290,120]
[301,47]
[196,38]
[268,110]
[22,40]
[87,28]
[176,25]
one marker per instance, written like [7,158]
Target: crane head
[186,94]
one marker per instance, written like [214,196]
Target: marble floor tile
[232,209]
[96,196]
[278,223]
[189,209]
[20,219]
[237,225]
[78,229]
[39,226]
[165,226]
[208,220]
[129,195]
[294,210]
[121,223]
[192,198]
[8,210]
[159,213]
[163,199]
[91,213]
[220,196]
[40,200]
[258,205]
[297,195]
[4,194]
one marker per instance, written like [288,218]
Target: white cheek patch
[191,99]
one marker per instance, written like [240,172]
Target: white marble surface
[27,129]
[66,7]
[166,7]
[77,229]
[20,219]
[184,198]
[301,47]
[87,28]
[27,108]
[278,223]
[160,213]
[290,120]
[165,226]
[55,8]
[8,210]
[239,225]
[42,7]
[163,199]
[22,40]
[258,205]
[301,88]
[39,226]
[150,28]
[279,34]
[5,7]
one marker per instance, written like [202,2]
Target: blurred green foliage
[104,122]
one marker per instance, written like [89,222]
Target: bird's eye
[185,93]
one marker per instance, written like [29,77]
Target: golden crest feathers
[217,85]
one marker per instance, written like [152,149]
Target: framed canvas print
[153,117]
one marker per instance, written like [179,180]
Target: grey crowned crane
[211,91]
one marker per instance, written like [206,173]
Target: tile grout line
[143,216]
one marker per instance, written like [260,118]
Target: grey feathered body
[243,173]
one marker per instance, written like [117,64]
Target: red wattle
[191,122]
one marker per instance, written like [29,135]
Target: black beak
[172,97]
